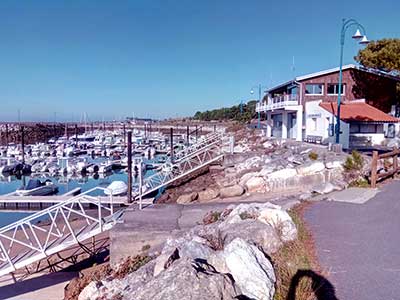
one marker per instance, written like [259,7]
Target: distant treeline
[229,113]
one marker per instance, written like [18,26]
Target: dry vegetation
[292,259]
[97,273]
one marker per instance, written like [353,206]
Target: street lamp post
[259,102]
[363,40]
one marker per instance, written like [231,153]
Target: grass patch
[296,256]
[313,156]
[361,182]
[211,217]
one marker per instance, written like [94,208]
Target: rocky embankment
[270,167]
[34,133]
[226,257]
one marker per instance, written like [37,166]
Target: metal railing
[54,229]
[202,143]
[277,102]
[201,155]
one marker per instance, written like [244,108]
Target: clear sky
[162,58]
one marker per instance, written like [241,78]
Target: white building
[296,109]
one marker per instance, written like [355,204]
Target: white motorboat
[35,187]
[105,167]
[116,188]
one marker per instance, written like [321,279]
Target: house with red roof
[305,108]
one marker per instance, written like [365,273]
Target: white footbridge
[79,218]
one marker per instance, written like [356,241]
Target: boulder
[262,234]
[252,271]
[118,288]
[186,198]
[188,279]
[310,168]
[281,221]
[334,164]
[256,185]
[231,191]
[282,174]
[187,246]
[246,177]
[324,188]
[208,194]
[268,145]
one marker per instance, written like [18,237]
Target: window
[333,89]
[314,89]
[390,131]
[366,128]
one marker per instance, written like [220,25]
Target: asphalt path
[359,244]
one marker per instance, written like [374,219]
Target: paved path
[359,244]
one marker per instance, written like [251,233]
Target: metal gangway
[55,229]
[195,157]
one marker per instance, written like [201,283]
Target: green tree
[381,54]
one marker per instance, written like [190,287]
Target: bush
[361,182]
[354,162]
[313,156]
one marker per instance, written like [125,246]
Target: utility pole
[172,144]
[23,144]
[129,199]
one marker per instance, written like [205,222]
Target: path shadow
[322,287]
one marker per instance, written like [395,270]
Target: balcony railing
[277,102]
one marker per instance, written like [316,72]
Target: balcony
[278,102]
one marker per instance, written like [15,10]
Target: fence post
[374,168]
[395,163]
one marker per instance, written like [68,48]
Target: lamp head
[357,35]
[364,40]
[252,92]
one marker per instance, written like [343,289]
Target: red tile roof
[359,111]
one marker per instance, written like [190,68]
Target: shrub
[313,156]
[361,182]
[215,242]
[245,215]
[354,162]
[211,217]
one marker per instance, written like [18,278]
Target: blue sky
[166,58]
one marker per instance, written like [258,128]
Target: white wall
[323,119]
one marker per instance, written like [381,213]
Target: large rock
[208,194]
[231,191]
[113,287]
[281,221]
[188,279]
[187,246]
[251,270]
[282,174]
[246,177]
[262,234]
[186,198]
[256,185]
[310,168]
[334,164]
[325,188]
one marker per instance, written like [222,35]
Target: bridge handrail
[51,208]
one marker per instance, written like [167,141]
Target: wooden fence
[392,169]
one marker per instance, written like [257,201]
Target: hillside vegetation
[229,113]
